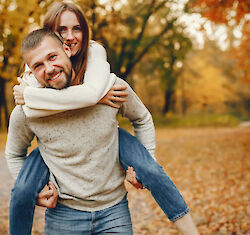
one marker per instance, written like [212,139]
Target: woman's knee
[23,193]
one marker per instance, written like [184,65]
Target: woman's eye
[61,30]
[77,28]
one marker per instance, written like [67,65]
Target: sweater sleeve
[18,140]
[140,119]
[97,82]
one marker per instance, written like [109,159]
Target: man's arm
[140,118]
[18,140]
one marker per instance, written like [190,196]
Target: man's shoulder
[17,113]
[18,120]
[120,81]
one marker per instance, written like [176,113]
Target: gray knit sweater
[80,147]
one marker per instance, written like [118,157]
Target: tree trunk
[168,97]
[183,97]
[3,104]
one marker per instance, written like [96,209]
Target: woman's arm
[97,82]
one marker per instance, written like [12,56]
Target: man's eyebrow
[51,53]
[35,64]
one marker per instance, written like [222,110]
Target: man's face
[50,64]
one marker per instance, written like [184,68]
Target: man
[80,147]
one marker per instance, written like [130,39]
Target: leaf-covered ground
[210,166]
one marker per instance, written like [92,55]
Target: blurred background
[187,60]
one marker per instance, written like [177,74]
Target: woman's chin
[74,51]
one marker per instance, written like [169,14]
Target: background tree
[17,18]
[138,29]
[232,13]
[171,53]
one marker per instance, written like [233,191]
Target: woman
[68,21]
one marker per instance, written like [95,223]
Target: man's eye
[37,66]
[52,57]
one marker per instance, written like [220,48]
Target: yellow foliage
[203,85]
[17,19]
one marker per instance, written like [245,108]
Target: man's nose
[49,69]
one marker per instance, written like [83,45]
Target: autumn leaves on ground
[211,168]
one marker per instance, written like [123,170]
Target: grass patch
[202,120]
[196,120]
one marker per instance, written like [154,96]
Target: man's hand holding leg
[131,178]
[48,196]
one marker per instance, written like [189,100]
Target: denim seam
[179,215]
[92,222]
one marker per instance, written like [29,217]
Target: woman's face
[70,30]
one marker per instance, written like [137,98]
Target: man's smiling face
[50,64]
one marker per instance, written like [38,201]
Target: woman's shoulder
[97,49]
[95,44]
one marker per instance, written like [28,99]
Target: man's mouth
[55,77]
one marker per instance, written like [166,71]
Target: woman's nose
[69,35]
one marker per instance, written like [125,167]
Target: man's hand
[131,178]
[117,93]
[18,91]
[48,196]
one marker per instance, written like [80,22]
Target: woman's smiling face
[69,29]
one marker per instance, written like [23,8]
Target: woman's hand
[48,196]
[18,91]
[131,178]
[116,94]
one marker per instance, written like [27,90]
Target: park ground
[211,168]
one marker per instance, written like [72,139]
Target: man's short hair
[34,38]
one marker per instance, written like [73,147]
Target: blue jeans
[32,178]
[34,175]
[63,220]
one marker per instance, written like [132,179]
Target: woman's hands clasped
[115,96]
[18,91]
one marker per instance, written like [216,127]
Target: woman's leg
[152,176]
[31,180]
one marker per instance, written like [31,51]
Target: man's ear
[67,50]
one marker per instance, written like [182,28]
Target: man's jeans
[63,220]
[34,175]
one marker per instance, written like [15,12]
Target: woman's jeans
[34,175]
